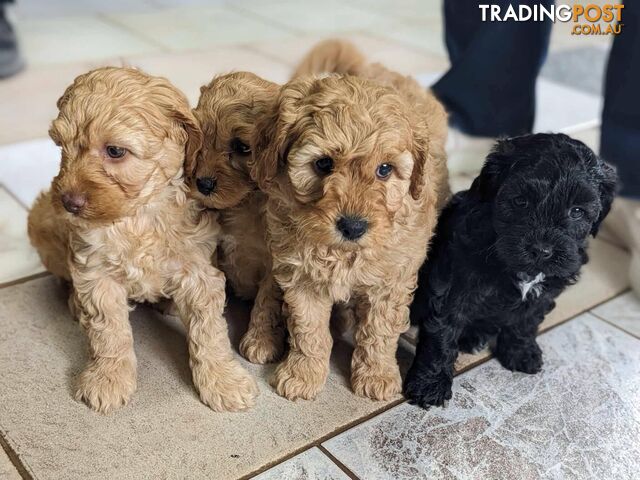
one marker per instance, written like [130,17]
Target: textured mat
[165,432]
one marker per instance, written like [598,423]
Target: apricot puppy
[355,175]
[227,111]
[117,223]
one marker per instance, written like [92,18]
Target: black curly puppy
[503,251]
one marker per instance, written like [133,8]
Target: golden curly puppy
[227,111]
[119,216]
[355,174]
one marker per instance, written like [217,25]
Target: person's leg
[10,60]
[620,135]
[490,87]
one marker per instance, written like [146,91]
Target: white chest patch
[530,285]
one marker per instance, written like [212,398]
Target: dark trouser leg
[620,141]
[10,61]
[490,88]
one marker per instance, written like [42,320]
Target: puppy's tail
[332,56]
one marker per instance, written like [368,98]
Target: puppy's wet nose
[352,228]
[206,185]
[542,251]
[73,202]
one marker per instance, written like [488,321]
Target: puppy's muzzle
[73,202]
[541,251]
[206,185]
[352,228]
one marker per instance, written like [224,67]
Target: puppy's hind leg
[221,381]
[264,340]
[109,379]
[374,368]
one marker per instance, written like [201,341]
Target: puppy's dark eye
[383,171]
[576,213]
[324,166]
[115,152]
[239,147]
[520,202]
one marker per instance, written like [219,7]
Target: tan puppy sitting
[227,111]
[117,223]
[355,174]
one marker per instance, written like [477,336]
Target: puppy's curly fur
[227,112]
[131,233]
[355,174]
[503,251]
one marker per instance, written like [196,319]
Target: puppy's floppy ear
[606,178]
[428,145]
[183,115]
[266,149]
[271,138]
[420,153]
[176,106]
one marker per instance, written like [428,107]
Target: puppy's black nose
[542,251]
[206,185]
[73,202]
[352,228]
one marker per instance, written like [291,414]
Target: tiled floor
[578,418]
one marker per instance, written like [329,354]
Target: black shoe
[10,59]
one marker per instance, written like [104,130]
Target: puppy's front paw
[526,358]
[300,377]
[225,387]
[262,347]
[377,386]
[107,384]
[427,390]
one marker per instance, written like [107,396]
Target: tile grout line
[324,438]
[26,279]
[14,458]
[256,16]
[13,196]
[318,443]
[338,463]
[250,47]
[618,327]
[149,40]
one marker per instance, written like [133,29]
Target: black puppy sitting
[503,251]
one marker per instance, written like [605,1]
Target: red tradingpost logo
[589,19]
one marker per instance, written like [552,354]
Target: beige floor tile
[424,35]
[578,418]
[7,470]
[192,28]
[165,432]
[28,100]
[590,136]
[458,183]
[391,54]
[60,8]
[40,158]
[600,280]
[405,9]
[305,16]
[17,258]
[622,311]
[309,465]
[189,71]
[75,39]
